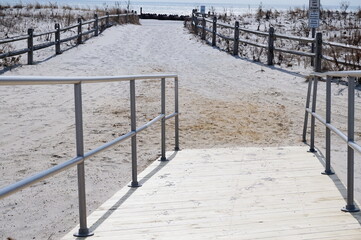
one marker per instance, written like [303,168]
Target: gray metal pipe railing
[81,156]
[348,138]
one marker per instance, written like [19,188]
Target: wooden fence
[96,26]
[200,26]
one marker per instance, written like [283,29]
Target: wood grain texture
[239,193]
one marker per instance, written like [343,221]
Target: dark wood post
[194,20]
[196,23]
[30,45]
[318,52]
[270,54]
[96,25]
[107,20]
[313,45]
[236,39]
[203,28]
[57,39]
[79,41]
[214,31]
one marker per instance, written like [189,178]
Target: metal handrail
[348,138]
[338,74]
[81,156]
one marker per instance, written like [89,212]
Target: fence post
[83,229]
[236,39]
[203,28]
[328,170]
[107,20]
[57,39]
[318,53]
[96,25]
[307,106]
[30,45]
[313,33]
[163,137]
[133,126]
[214,31]
[194,21]
[270,54]
[79,41]
[176,108]
[313,119]
[350,207]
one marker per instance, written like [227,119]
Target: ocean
[177,7]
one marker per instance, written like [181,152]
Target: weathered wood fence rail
[96,26]
[200,27]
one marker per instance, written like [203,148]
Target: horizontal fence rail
[96,26]
[81,155]
[348,137]
[199,27]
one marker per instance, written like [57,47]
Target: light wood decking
[240,193]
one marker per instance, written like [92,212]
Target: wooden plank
[245,193]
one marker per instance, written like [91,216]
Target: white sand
[225,101]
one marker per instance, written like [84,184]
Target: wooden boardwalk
[240,193]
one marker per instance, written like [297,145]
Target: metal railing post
[176,108]
[96,25]
[328,170]
[314,98]
[83,229]
[57,39]
[30,45]
[133,126]
[163,137]
[307,106]
[350,207]
[214,31]
[270,53]
[79,40]
[236,39]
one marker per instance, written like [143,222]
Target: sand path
[225,101]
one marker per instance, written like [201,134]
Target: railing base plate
[83,233]
[350,209]
[312,150]
[163,159]
[327,173]
[134,185]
